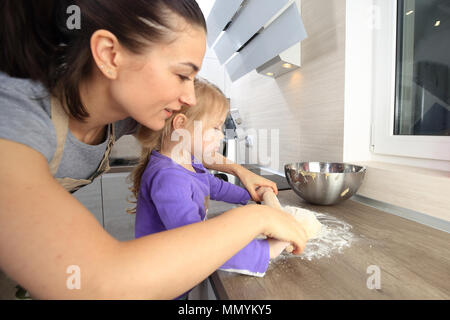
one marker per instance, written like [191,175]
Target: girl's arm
[44,230]
[252,260]
[250,180]
[172,196]
[224,191]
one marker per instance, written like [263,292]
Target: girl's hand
[252,182]
[261,190]
[276,247]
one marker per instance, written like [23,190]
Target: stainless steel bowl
[324,183]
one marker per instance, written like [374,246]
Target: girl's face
[212,135]
[152,85]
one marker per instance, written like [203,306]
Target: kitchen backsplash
[306,105]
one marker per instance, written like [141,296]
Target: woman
[65,96]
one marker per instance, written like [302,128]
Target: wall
[306,105]
[417,184]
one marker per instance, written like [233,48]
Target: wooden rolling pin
[271,200]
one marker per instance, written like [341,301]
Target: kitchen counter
[413,261]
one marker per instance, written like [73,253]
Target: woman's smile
[168,113]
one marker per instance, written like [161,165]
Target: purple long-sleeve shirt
[171,196]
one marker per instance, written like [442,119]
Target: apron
[60,121]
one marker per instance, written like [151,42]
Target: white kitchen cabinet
[106,199]
[220,14]
[281,34]
[218,207]
[252,18]
[257,32]
[91,197]
[203,291]
[117,222]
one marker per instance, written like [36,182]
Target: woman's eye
[184,78]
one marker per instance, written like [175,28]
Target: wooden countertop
[413,259]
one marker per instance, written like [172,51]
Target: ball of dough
[308,220]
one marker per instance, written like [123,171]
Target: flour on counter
[334,237]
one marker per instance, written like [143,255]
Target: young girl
[173,188]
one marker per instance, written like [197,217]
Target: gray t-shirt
[25,118]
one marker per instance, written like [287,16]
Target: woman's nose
[188,96]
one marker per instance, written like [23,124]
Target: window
[411,79]
[422,104]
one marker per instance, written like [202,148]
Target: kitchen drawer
[117,221]
[218,207]
[91,197]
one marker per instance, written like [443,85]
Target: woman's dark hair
[36,42]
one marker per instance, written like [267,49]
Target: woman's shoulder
[25,114]
[21,86]
[25,95]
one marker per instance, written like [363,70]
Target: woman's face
[152,85]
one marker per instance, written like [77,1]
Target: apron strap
[104,164]
[60,121]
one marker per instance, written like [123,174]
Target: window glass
[423,68]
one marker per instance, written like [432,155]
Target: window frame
[383,140]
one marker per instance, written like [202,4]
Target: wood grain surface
[414,262]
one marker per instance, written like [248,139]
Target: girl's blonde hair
[210,102]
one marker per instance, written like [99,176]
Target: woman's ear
[179,121]
[106,51]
